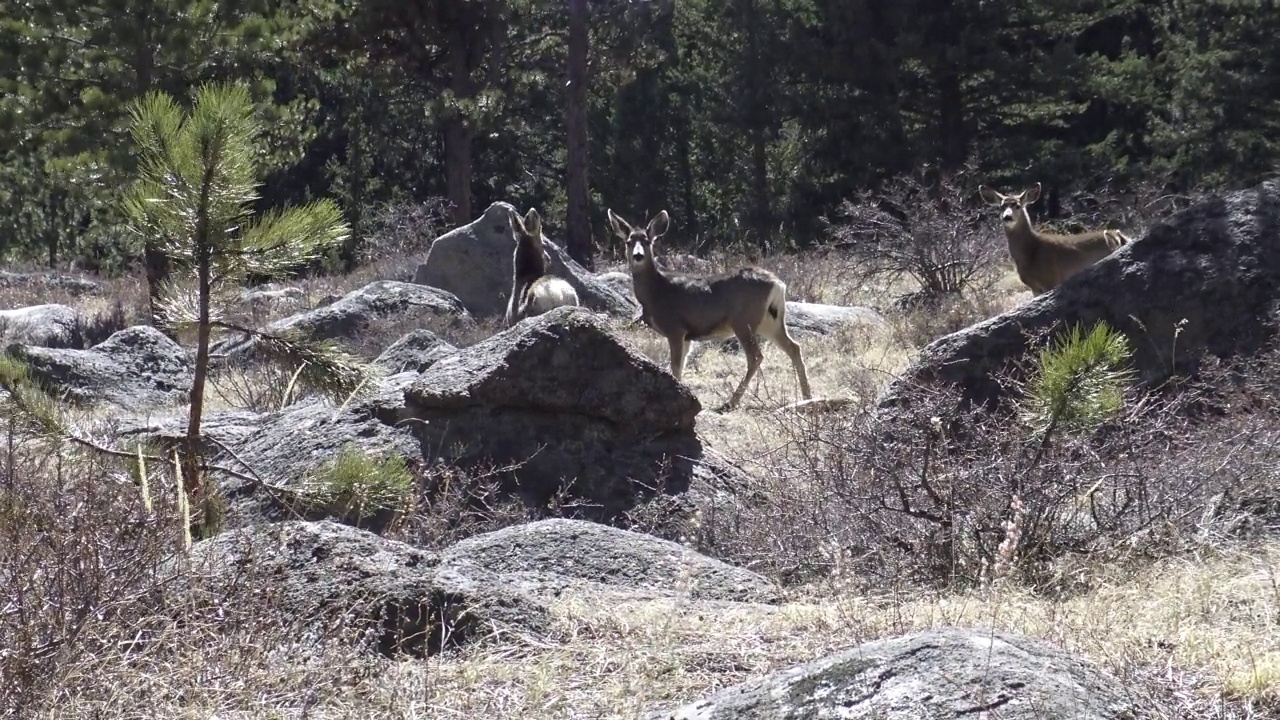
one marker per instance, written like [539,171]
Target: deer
[1045,260]
[749,303]
[533,291]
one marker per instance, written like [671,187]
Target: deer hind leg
[751,348]
[775,329]
[679,351]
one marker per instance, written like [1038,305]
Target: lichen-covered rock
[941,673]
[416,351]
[319,568]
[51,325]
[548,557]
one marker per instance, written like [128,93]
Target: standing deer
[533,291]
[748,303]
[1044,260]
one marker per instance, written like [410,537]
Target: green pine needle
[1079,381]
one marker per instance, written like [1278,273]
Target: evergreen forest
[750,121]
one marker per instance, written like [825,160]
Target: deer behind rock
[1045,260]
[748,303]
[533,291]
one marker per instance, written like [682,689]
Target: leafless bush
[452,504]
[101,615]
[926,493]
[402,229]
[925,228]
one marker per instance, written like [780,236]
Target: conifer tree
[193,198]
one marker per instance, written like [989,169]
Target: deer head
[1014,207]
[640,239]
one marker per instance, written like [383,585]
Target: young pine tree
[193,197]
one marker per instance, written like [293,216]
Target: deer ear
[517,225]
[533,223]
[658,225]
[621,227]
[990,196]
[1031,194]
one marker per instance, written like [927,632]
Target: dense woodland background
[749,120]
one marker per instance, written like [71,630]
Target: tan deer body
[1045,260]
[533,291]
[749,303]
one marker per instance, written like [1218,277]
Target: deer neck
[1024,241]
[647,280]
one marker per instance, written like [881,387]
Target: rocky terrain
[578,536]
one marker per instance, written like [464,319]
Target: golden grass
[1208,626]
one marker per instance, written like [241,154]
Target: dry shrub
[102,617]
[403,229]
[925,492]
[927,229]
[927,319]
[452,504]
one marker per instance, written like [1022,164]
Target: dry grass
[1198,630]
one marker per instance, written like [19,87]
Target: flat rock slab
[548,557]
[942,673]
[821,319]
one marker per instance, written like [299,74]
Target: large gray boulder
[320,571]
[474,263]
[549,557]
[137,368]
[50,325]
[1205,281]
[942,673]
[567,406]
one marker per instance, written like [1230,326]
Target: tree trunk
[458,131]
[951,119]
[577,184]
[758,119]
[192,480]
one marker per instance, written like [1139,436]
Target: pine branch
[324,366]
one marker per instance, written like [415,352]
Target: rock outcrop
[474,263]
[1205,281]
[943,673]
[358,308]
[137,369]
[554,408]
